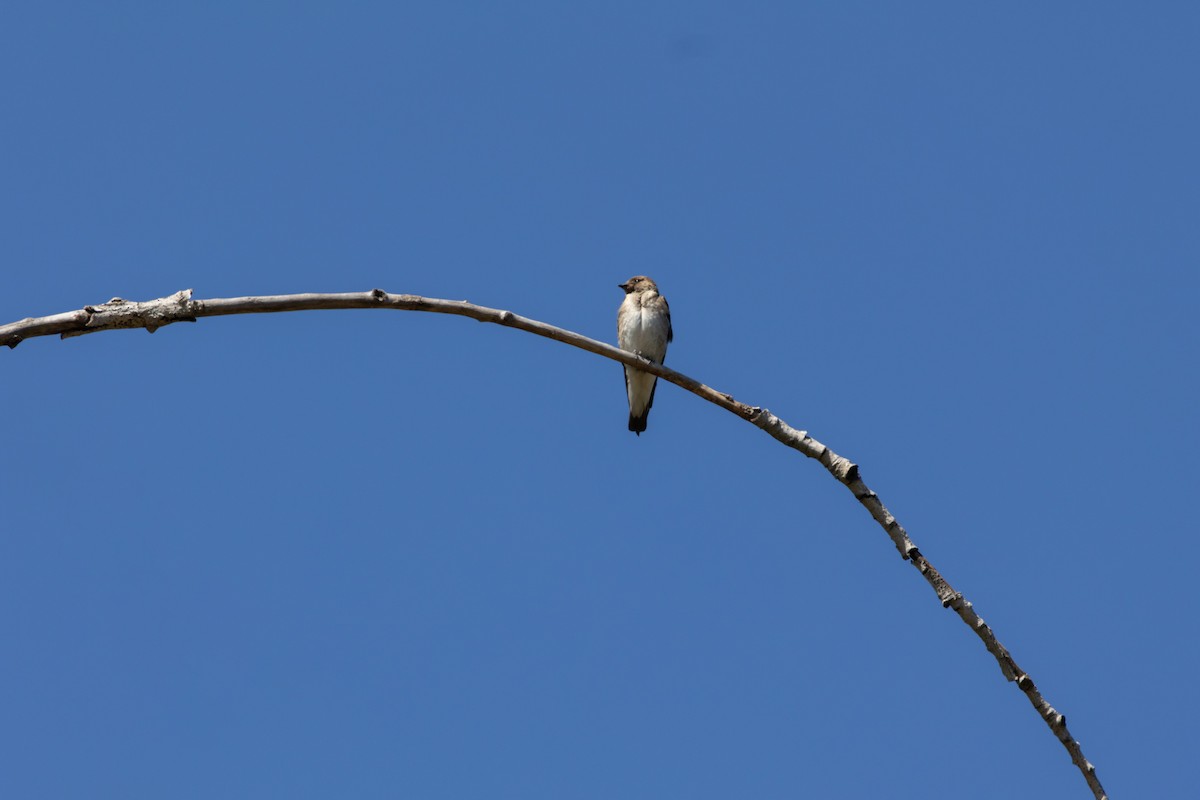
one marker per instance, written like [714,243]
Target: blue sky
[378,554]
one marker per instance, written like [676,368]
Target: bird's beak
[624,286]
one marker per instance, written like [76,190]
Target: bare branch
[154,314]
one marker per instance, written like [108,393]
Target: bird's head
[638,283]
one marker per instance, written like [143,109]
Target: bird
[643,327]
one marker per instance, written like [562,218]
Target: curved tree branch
[180,307]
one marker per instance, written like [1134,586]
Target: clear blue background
[377,555]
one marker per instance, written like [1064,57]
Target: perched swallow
[643,327]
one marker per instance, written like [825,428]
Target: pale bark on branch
[180,307]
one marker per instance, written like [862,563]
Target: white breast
[643,332]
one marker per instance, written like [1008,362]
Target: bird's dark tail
[638,424]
